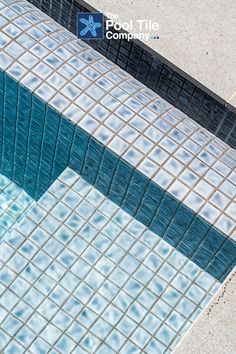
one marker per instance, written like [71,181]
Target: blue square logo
[90,25]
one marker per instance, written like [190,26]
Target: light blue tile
[155,347]
[140,337]
[176,321]
[115,339]
[186,307]
[195,293]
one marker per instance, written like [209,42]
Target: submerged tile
[113,290]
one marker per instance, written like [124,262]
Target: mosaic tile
[14,203]
[66,290]
[178,156]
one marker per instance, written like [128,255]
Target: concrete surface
[196,36]
[214,331]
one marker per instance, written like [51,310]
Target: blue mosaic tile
[72,290]
[14,203]
[154,162]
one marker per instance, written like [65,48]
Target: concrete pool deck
[197,37]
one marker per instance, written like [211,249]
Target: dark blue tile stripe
[153,72]
[38,144]
[2,87]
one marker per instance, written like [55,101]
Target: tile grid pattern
[48,153]
[14,203]
[53,143]
[155,208]
[156,75]
[144,117]
[80,275]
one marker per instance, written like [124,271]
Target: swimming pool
[81,275]
[128,214]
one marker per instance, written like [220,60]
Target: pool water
[14,203]
[80,275]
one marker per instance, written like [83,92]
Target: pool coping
[131,11]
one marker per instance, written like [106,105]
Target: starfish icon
[90,26]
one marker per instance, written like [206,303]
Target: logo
[90,25]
